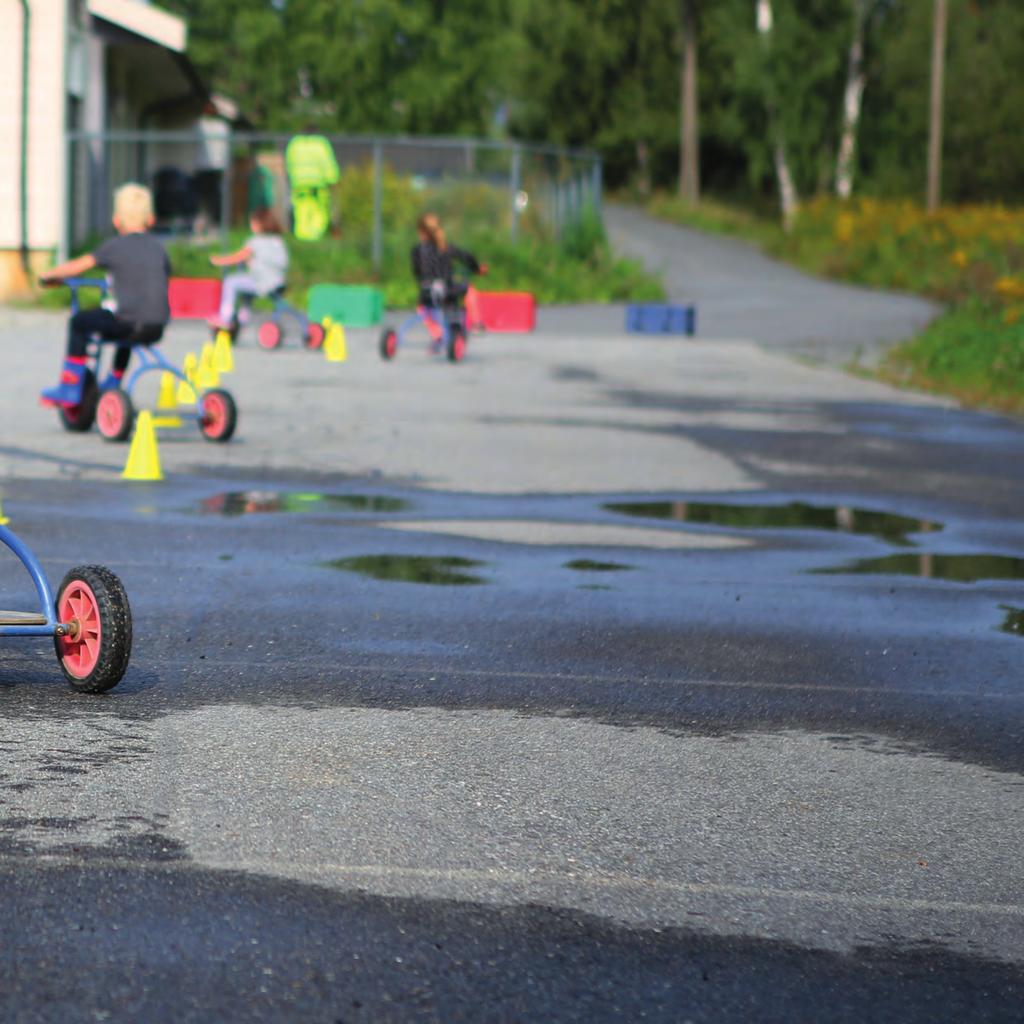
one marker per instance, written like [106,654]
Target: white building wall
[46,121]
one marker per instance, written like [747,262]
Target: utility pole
[689,131]
[935,105]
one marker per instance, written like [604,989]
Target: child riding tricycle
[441,294]
[139,271]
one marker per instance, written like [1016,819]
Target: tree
[852,101]
[935,105]
[689,134]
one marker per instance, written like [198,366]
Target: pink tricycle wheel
[219,415]
[114,415]
[80,651]
[315,335]
[269,335]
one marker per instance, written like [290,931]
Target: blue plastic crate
[658,318]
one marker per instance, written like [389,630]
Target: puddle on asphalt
[243,503]
[1014,621]
[954,568]
[796,515]
[589,565]
[447,570]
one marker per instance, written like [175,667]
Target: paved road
[740,293]
[658,762]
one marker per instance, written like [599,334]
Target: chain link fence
[207,183]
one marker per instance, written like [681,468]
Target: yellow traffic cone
[186,393]
[223,357]
[207,375]
[166,400]
[334,344]
[143,458]
[167,403]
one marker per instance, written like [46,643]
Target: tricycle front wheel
[94,655]
[220,415]
[115,415]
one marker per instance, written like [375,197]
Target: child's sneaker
[69,391]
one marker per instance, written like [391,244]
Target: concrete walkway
[740,293]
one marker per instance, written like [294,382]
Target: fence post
[596,185]
[70,186]
[514,183]
[378,202]
[226,181]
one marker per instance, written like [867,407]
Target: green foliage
[531,264]
[606,74]
[971,353]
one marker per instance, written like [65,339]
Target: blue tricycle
[111,409]
[89,620]
[270,332]
[444,321]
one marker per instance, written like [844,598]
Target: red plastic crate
[193,298]
[507,311]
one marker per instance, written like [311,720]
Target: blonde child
[138,268]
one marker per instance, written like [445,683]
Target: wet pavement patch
[795,515]
[589,565]
[446,570]
[1013,623]
[243,503]
[953,568]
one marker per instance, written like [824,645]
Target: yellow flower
[845,224]
[959,258]
[1011,315]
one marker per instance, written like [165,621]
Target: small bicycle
[112,410]
[89,619]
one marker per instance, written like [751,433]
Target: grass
[971,258]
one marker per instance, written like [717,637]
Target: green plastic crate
[354,305]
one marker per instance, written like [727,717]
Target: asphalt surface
[670,762]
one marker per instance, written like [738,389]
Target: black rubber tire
[388,344]
[127,420]
[116,629]
[230,416]
[83,416]
[457,344]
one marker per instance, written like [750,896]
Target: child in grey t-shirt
[138,269]
[266,256]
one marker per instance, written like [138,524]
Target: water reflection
[1013,623]
[954,568]
[241,503]
[795,515]
[589,565]
[445,570]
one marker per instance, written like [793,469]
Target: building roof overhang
[143,20]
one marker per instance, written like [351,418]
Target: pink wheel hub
[269,335]
[80,650]
[215,415]
[110,415]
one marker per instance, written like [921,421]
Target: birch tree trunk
[852,99]
[789,198]
[689,133]
[935,105]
